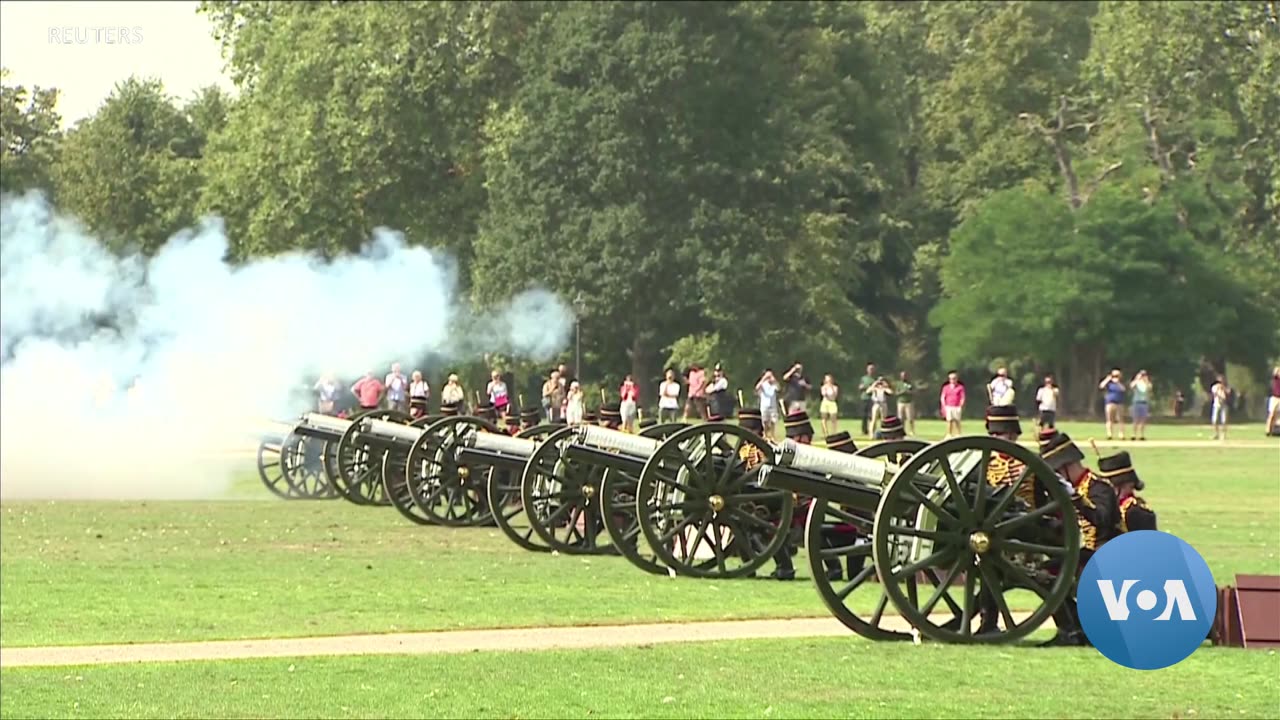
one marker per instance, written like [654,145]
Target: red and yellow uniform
[1135,514]
[1097,512]
[1005,470]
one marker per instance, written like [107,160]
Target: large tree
[29,133]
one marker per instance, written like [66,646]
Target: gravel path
[428,643]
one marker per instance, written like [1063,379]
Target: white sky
[176,46]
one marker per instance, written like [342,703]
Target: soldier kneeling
[1134,513]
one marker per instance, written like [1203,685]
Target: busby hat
[841,442]
[1058,451]
[891,428]
[450,409]
[589,417]
[750,419]
[798,425]
[512,421]
[1003,419]
[530,416]
[1118,469]
[648,423]
[611,413]
[486,410]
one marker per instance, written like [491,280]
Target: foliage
[29,134]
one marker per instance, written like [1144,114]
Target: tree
[29,134]
[130,172]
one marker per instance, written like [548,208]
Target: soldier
[891,429]
[1134,514]
[611,416]
[1097,514]
[512,424]
[486,411]
[1004,470]
[844,534]
[800,430]
[530,417]
[841,442]
[450,409]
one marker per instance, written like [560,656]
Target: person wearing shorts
[629,392]
[1219,394]
[1140,410]
[1273,403]
[1047,402]
[952,402]
[1113,402]
[828,409]
[767,391]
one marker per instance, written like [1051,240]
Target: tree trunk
[639,367]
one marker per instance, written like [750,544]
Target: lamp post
[579,306]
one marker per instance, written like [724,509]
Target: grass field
[103,572]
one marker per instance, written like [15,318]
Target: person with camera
[767,391]
[879,392]
[1113,401]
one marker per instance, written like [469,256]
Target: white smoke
[129,378]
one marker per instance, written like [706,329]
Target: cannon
[931,513]
[506,458]
[445,491]
[299,464]
[391,441]
[356,469]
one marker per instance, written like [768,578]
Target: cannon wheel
[559,499]
[395,479]
[271,467]
[703,479]
[302,462]
[618,508]
[450,494]
[503,493]
[824,547]
[984,533]
[359,477]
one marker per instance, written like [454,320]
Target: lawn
[103,572]
[753,678]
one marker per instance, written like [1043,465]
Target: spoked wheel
[938,513]
[359,477]
[700,507]
[302,461]
[271,469]
[442,490]
[559,496]
[503,493]
[618,509]
[839,548]
[395,480]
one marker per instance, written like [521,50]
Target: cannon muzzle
[389,432]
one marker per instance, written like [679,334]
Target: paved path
[430,643]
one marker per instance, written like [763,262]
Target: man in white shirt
[1219,394]
[1000,390]
[1047,401]
[669,398]
[397,389]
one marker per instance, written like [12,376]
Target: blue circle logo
[1146,600]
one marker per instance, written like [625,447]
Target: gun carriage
[935,523]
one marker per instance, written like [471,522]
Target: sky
[85,48]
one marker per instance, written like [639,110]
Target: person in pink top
[368,391]
[952,399]
[630,395]
[696,403]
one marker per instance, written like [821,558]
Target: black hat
[450,409]
[1118,469]
[420,402]
[611,412]
[1003,419]
[486,410]
[798,425]
[512,421]
[1058,451]
[648,423]
[715,418]
[588,417]
[841,442]
[891,428]
[750,419]
[530,416]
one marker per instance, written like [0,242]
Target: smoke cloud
[129,378]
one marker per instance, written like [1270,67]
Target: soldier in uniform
[1004,470]
[486,411]
[891,429]
[530,417]
[844,534]
[1134,514]
[800,430]
[450,409]
[611,416]
[841,442]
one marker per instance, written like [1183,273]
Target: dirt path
[429,643]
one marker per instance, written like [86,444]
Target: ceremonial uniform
[845,534]
[530,417]
[799,430]
[891,429]
[611,416]
[1004,469]
[1134,513]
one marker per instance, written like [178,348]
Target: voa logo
[1146,600]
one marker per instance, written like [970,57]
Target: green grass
[754,678]
[104,572]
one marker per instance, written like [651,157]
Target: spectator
[564,376]
[1219,394]
[1140,410]
[864,385]
[718,402]
[904,391]
[397,389]
[1273,402]
[629,394]
[1047,401]
[1000,390]
[767,391]
[452,393]
[952,400]
[368,391]
[1179,403]
[327,394]
[797,388]
[1113,399]
[696,403]
[669,398]
[551,397]
[829,407]
[880,392]
[499,398]
[575,404]
[419,395]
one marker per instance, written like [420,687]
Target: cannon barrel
[389,432]
[318,425]
[495,449]
[862,496]
[602,437]
[829,462]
